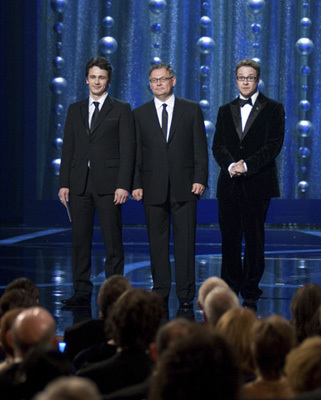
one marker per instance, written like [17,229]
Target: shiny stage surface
[293,257]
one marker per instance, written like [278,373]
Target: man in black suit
[249,136]
[171,174]
[96,172]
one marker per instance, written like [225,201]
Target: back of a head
[198,366]
[135,318]
[70,388]
[110,291]
[273,338]
[26,284]
[217,302]
[305,303]
[207,286]
[33,327]
[303,366]
[6,323]
[16,298]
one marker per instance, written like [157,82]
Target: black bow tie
[242,102]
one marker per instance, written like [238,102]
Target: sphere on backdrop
[58,127]
[108,22]
[58,85]
[255,7]
[261,85]
[157,6]
[205,44]
[58,26]
[304,152]
[303,186]
[209,128]
[205,21]
[107,45]
[304,46]
[305,23]
[58,143]
[204,104]
[156,28]
[58,62]
[58,109]
[58,5]
[204,70]
[256,28]
[304,128]
[305,70]
[304,105]
[156,60]
[55,166]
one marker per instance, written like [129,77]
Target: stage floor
[293,258]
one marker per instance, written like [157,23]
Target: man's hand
[137,194]
[63,195]
[237,169]
[121,196]
[198,188]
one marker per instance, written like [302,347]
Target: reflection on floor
[293,257]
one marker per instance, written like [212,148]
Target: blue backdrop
[46,45]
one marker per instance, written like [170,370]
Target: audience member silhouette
[304,307]
[16,298]
[273,338]
[198,366]
[217,302]
[134,321]
[26,284]
[208,285]
[236,327]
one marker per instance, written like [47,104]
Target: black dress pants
[82,211]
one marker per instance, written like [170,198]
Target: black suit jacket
[110,148]
[258,146]
[180,162]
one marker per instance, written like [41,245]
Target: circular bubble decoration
[58,27]
[304,46]
[156,28]
[256,28]
[58,127]
[157,6]
[209,127]
[304,105]
[305,70]
[205,87]
[204,70]
[58,142]
[55,166]
[304,152]
[303,186]
[261,85]
[156,60]
[58,5]
[107,45]
[58,62]
[108,22]
[304,128]
[255,7]
[205,44]
[58,85]
[257,60]
[305,23]
[205,21]
[204,104]
[58,109]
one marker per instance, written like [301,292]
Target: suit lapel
[177,114]
[256,109]
[236,115]
[152,114]
[107,106]
[84,114]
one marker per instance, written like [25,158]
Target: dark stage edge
[293,258]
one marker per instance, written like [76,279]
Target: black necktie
[242,102]
[164,120]
[95,115]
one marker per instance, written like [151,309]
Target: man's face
[162,89]
[247,88]
[98,82]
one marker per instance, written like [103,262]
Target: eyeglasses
[162,79]
[246,78]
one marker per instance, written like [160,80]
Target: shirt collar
[100,101]
[170,102]
[253,97]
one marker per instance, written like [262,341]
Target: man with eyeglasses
[249,136]
[171,175]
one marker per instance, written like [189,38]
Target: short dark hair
[26,284]
[167,66]
[248,62]
[100,62]
[110,291]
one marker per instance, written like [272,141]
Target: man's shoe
[185,305]
[76,301]
[250,303]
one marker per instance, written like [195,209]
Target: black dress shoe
[185,305]
[76,301]
[250,303]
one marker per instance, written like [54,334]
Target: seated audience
[198,366]
[236,327]
[217,302]
[273,338]
[208,285]
[90,336]
[304,307]
[70,388]
[303,366]
[16,298]
[133,323]
[26,284]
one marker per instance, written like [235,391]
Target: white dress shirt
[91,106]
[170,108]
